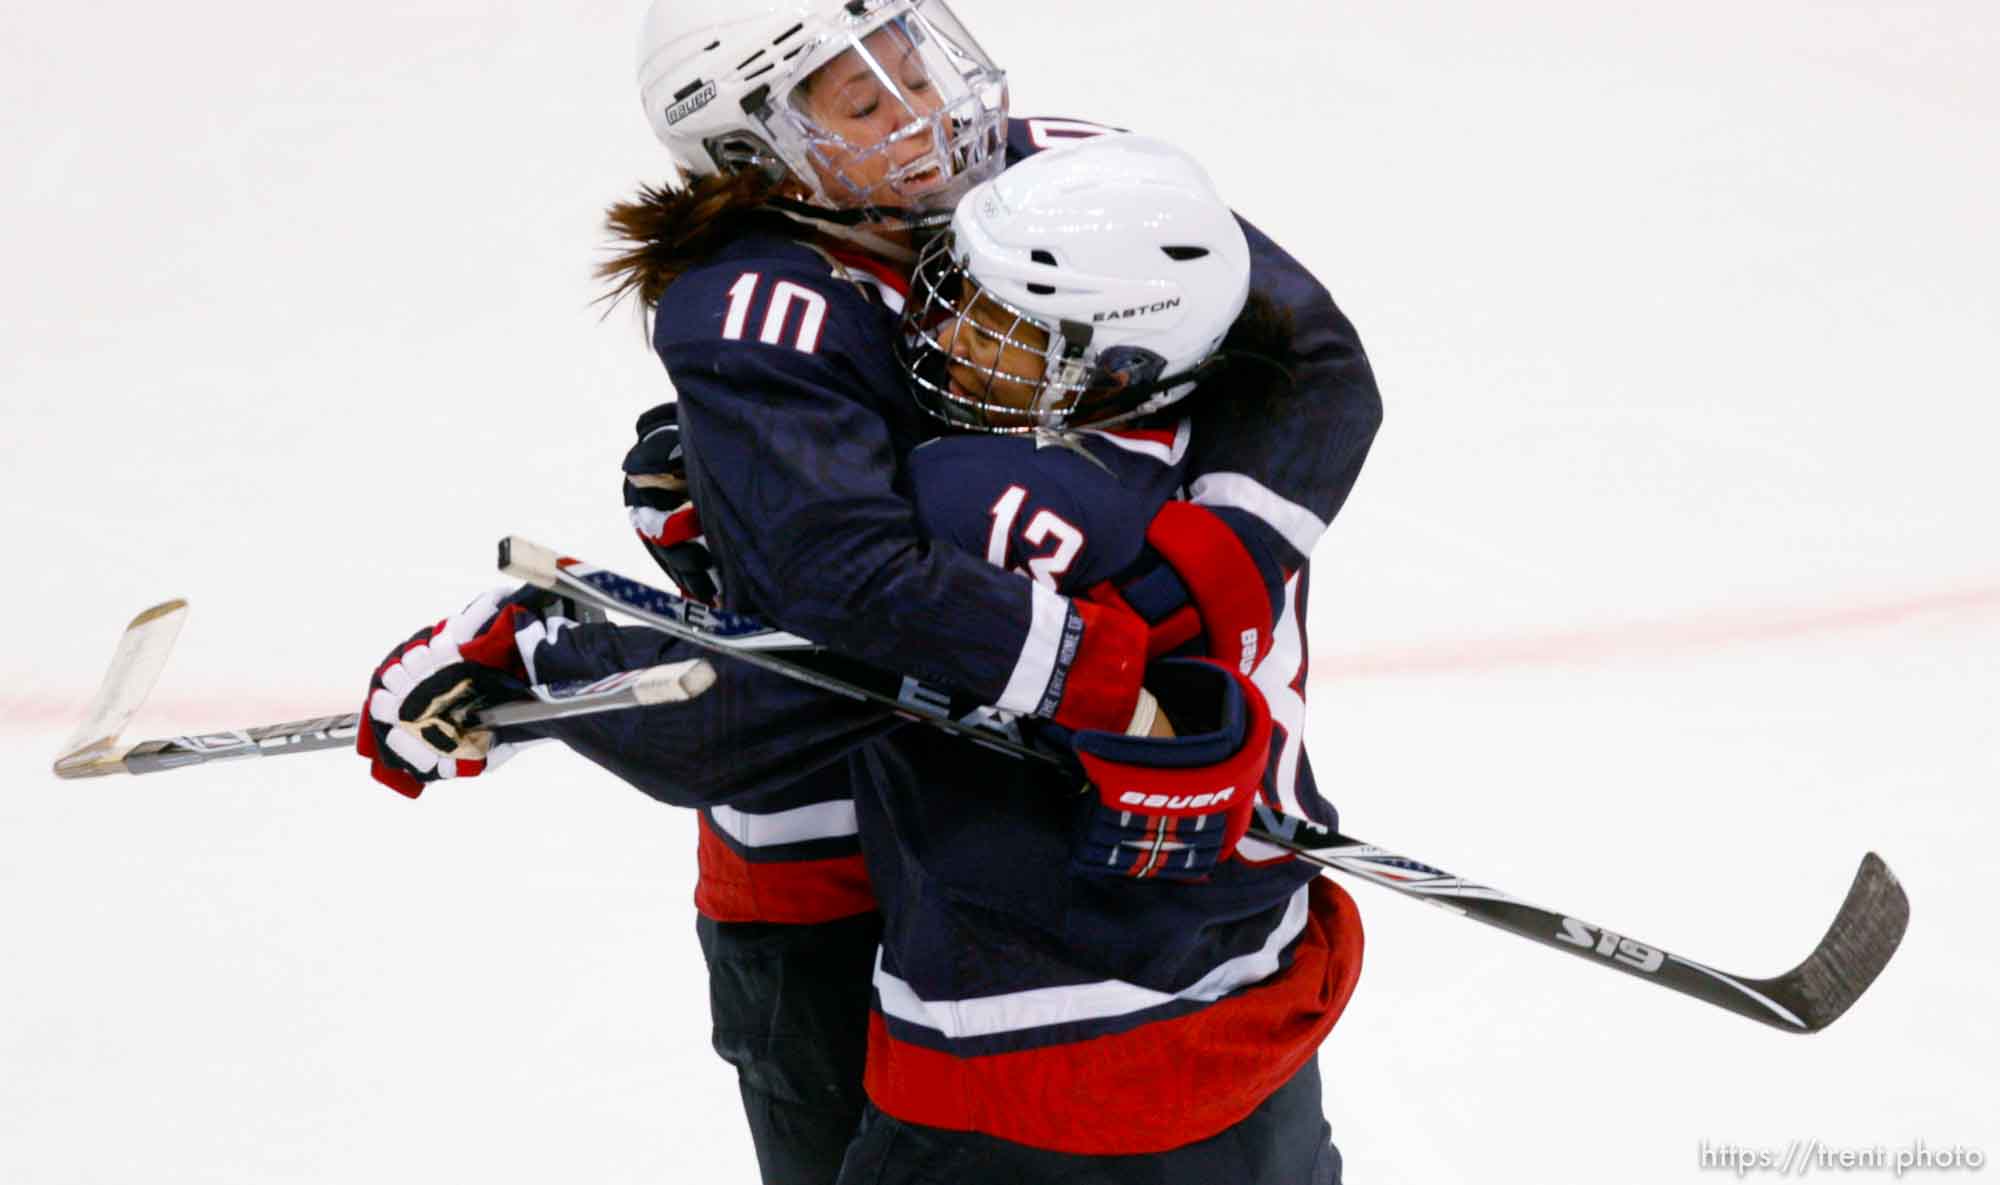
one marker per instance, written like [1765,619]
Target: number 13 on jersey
[1061,539]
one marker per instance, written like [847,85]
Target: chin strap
[861,226]
[814,218]
[1143,399]
[1179,386]
[860,215]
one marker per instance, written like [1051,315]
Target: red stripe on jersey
[1164,437]
[1157,1087]
[890,276]
[790,892]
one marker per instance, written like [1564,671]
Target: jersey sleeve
[749,736]
[788,390]
[1279,480]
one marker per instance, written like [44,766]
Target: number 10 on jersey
[785,297]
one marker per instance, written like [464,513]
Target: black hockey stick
[1809,997]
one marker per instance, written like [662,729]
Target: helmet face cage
[978,362]
[911,65]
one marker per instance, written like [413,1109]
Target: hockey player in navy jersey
[1277,483]
[815,135]
[1030,1024]
[1083,1026]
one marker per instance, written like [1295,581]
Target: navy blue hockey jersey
[1089,1015]
[796,417]
[801,472]
[804,459]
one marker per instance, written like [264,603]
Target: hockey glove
[1175,808]
[417,726]
[1200,589]
[656,501]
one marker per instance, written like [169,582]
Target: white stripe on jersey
[1148,448]
[1013,1012]
[1037,664]
[1298,526]
[1274,677]
[820,820]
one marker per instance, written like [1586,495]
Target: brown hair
[666,229]
[1257,362]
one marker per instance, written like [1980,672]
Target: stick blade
[1863,938]
[92,750]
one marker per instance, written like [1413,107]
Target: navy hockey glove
[656,501]
[416,725]
[1176,807]
[1200,590]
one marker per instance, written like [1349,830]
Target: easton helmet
[1087,285]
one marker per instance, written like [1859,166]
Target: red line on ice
[1671,638]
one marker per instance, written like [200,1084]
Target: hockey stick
[745,639]
[1857,946]
[94,749]
[1809,997]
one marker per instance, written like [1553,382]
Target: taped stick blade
[1864,936]
[92,750]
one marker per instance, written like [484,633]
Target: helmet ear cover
[1131,366]
[742,152]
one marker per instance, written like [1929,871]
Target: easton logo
[691,104]
[1141,311]
[1176,802]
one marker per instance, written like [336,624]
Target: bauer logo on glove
[1176,807]
[1140,800]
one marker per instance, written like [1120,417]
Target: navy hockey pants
[790,1009]
[1286,1141]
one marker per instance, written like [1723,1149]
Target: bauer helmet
[730,85]
[1087,285]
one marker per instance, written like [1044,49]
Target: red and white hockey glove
[417,726]
[656,502]
[1204,593]
[1176,807]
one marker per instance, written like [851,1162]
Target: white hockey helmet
[923,108]
[1087,285]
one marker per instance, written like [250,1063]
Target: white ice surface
[1670,589]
